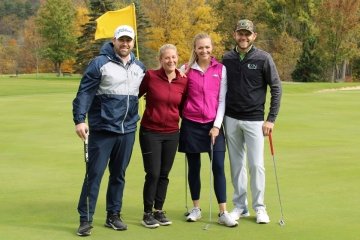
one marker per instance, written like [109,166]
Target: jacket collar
[213,62]
[164,76]
[251,49]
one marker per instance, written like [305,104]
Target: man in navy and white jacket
[108,95]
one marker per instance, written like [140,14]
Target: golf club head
[186,214]
[282,222]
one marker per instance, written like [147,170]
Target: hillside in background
[310,40]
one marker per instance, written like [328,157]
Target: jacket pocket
[113,109]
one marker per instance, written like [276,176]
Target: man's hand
[267,128]
[82,130]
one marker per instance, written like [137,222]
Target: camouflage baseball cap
[246,25]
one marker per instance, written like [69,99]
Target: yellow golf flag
[109,21]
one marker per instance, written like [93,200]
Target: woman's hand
[214,132]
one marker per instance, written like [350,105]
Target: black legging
[194,163]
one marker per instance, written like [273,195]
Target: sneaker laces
[261,211]
[238,210]
[115,217]
[148,216]
[225,218]
[195,210]
[222,213]
[160,214]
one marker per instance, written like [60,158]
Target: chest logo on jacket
[252,66]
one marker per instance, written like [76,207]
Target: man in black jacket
[249,72]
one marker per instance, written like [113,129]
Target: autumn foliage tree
[8,56]
[339,23]
[317,39]
[177,22]
[229,12]
[31,48]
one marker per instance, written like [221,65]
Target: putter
[281,221]
[206,227]
[86,155]
[186,190]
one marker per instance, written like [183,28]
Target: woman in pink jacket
[202,118]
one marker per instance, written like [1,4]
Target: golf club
[206,227]
[86,155]
[281,221]
[186,188]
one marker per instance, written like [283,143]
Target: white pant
[246,137]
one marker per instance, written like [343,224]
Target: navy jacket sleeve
[88,87]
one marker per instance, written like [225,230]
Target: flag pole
[137,51]
[136,34]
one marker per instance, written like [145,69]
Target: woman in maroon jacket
[159,131]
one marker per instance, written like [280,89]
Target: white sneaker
[194,215]
[237,213]
[262,216]
[227,220]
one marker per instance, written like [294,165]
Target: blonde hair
[193,57]
[163,48]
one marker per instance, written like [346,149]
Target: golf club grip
[86,153]
[271,144]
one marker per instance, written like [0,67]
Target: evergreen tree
[146,54]
[356,69]
[88,46]
[309,66]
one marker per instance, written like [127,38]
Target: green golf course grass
[316,141]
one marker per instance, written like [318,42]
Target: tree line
[310,40]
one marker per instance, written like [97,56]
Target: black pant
[158,151]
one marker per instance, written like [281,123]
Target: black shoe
[161,218]
[149,221]
[84,229]
[114,221]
